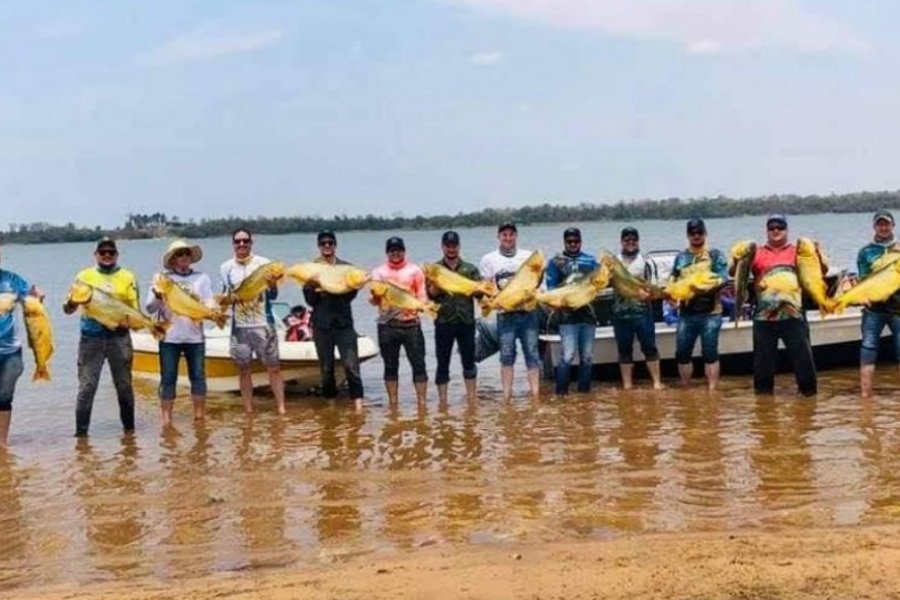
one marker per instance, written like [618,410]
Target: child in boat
[298,324]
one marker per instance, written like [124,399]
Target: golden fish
[781,288]
[185,304]
[254,285]
[40,337]
[576,294]
[877,287]
[388,295]
[520,293]
[742,253]
[454,283]
[809,270]
[698,281]
[7,302]
[333,279]
[626,284]
[887,259]
[111,312]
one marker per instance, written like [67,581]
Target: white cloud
[700,26]
[486,58]
[201,46]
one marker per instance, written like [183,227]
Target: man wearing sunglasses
[701,316]
[98,344]
[252,323]
[576,327]
[332,321]
[779,311]
[11,366]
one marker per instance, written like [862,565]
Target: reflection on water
[329,482]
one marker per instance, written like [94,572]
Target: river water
[328,482]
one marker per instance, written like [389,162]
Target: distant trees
[159,224]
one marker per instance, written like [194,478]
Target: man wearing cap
[252,323]
[701,316]
[401,328]
[455,321]
[98,344]
[633,317]
[500,266]
[332,322]
[11,366]
[779,311]
[576,327]
[184,336]
[884,249]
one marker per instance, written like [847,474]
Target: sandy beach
[853,562]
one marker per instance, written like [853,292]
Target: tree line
[139,226]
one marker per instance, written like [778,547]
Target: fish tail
[159,329]
[431,309]
[220,319]
[41,373]
[223,300]
[486,308]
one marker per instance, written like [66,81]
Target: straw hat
[196,252]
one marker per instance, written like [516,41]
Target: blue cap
[777,218]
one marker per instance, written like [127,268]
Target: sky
[208,108]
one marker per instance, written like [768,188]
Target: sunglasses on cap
[242,241]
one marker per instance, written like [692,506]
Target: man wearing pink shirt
[401,328]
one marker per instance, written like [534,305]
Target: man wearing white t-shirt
[499,266]
[252,323]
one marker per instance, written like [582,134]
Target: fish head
[378,288]
[163,284]
[806,247]
[431,271]
[743,249]
[80,293]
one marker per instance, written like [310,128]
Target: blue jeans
[11,368]
[523,326]
[690,327]
[169,355]
[644,329]
[575,337]
[872,325]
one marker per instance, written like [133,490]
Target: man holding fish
[517,274]
[332,322]
[250,283]
[578,325]
[882,253]
[104,332]
[14,290]
[184,297]
[398,290]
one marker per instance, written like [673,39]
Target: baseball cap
[394,243]
[106,242]
[572,232]
[883,215]
[777,218]
[507,225]
[326,234]
[629,231]
[696,225]
[450,238]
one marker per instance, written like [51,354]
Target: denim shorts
[690,327]
[523,326]
[11,368]
[872,325]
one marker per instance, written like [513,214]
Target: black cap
[628,232]
[106,242]
[507,225]
[883,215]
[572,232]
[696,225]
[450,238]
[326,234]
[777,218]
[394,243]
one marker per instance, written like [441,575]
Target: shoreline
[795,564]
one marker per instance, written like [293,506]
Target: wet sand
[821,563]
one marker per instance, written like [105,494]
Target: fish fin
[41,374]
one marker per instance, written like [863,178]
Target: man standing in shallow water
[500,266]
[11,366]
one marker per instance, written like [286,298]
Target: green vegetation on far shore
[138,226]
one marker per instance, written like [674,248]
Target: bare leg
[470,389]
[276,383]
[165,412]
[506,381]
[866,379]
[5,418]
[246,378]
[391,387]
[712,375]
[421,388]
[534,382]
[653,367]
[627,373]
[685,372]
[442,393]
[199,403]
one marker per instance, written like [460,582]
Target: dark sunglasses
[107,252]
[629,240]
[695,232]
[182,253]
[777,227]
[242,241]
[326,243]
[573,241]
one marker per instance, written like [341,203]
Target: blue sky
[207,108]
